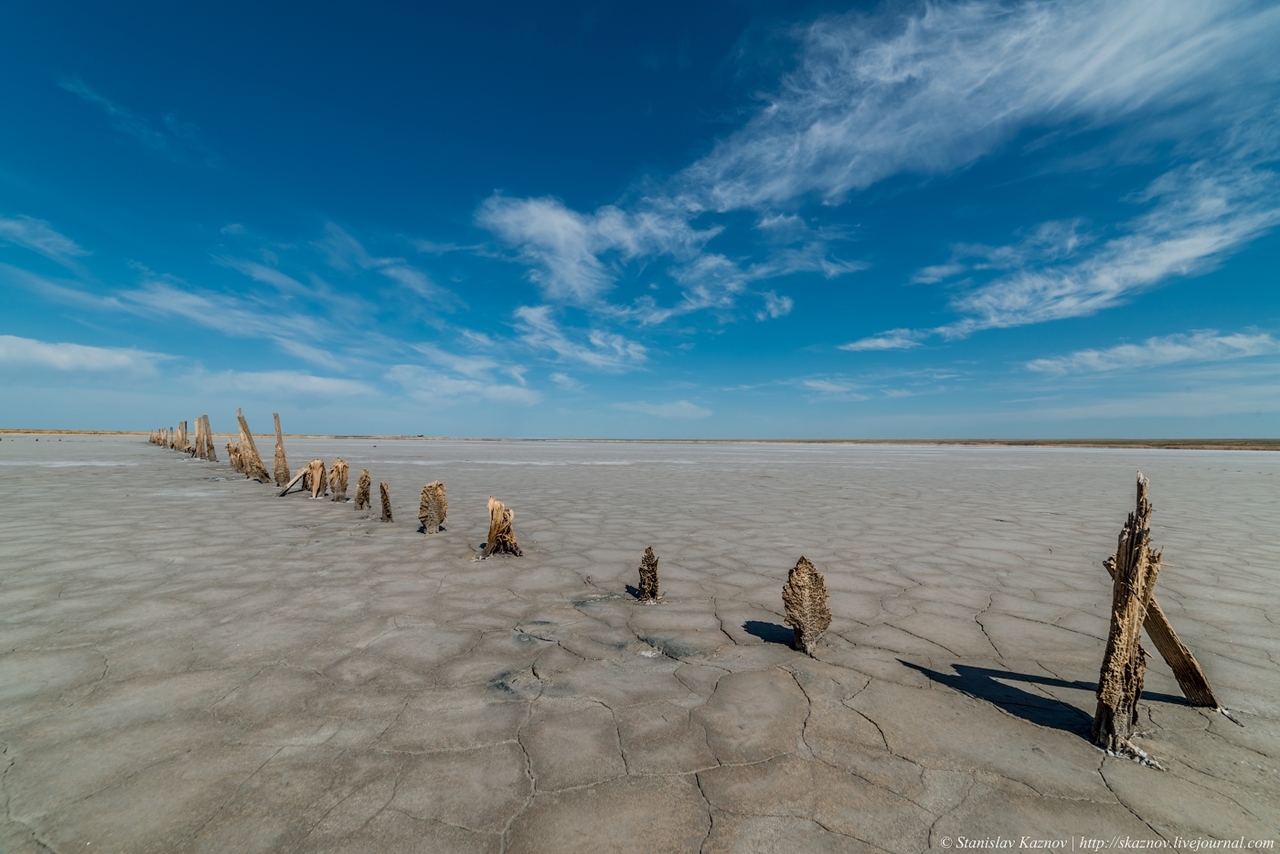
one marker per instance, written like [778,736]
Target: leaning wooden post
[253,467]
[386,502]
[433,506]
[1124,663]
[281,464]
[1191,679]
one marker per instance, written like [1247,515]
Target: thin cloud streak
[1203,346]
[63,356]
[602,350]
[674,409]
[38,236]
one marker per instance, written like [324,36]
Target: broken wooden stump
[253,467]
[338,479]
[1124,663]
[432,507]
[316,480]
[362,490]
[804,597]
[649,577]
[1191,679]
[281,463]
[234,458]
[502,540]
[386,502]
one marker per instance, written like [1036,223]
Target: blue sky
[719,219]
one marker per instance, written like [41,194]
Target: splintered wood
[502,540]
[804,597]
[338,479]
[362,490]
[649,577]
[386,502]
[1124,664]
[281,464]
[432,507]
[253,467]
[234,458]
[316,480]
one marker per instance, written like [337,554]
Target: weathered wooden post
[502,540]
[362,491]
[281,464]
[804,597]
[209,453]
[1124,663]
[433,506]
[338,479]
[649,577]
[253,467]
[386,502]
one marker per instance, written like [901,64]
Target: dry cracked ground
[189,663]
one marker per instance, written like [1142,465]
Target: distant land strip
[1162,444]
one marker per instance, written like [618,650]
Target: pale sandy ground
[190,663]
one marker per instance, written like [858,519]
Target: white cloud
[774,306]
[566,382]
[602,350]
[936,89]
[280,383]
[76,357]
[894,339]
[435,386]
[1203,212]
[675,409]
[565,247]
[1202,346]
[38,236]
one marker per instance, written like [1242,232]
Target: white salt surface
[188,662]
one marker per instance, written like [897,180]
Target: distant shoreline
[1153,444]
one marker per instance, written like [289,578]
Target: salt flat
[189,663]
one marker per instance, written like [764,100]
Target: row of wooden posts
[242,454]
[1133,570]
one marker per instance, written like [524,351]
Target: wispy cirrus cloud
[284,383]
[64,356]
[1202,213]
[433,385]
[343,252]
[1202,346]
[601,350]
[931,90]
[673,409]
[935,89]
[38,236]
[173,138]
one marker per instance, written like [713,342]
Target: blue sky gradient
[722,219]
